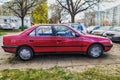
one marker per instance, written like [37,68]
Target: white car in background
[101,30]
[92,28]
[6,26]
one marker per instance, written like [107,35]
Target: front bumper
[10,49]
[115,39]
[108,47]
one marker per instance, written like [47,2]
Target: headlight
[111,42]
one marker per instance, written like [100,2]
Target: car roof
[50,24]
[73,24]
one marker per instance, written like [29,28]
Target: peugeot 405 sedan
[54,38]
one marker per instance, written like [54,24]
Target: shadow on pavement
[60,57]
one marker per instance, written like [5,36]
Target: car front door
[66,39]
[42,39]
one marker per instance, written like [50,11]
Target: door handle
[59,40]
[31,40]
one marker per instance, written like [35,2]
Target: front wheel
[95,51]
[25,53]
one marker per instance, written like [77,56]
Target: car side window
[42,31]
[63,31]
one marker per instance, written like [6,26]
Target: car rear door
[42,39]
[66,39]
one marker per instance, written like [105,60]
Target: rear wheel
[95,51]
[25,53]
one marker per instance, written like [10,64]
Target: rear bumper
[9,46]
[10,49]
[108,47]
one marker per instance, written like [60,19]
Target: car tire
[95,51]
[25,53]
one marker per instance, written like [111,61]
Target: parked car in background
[80,27]
[6,26]
[91,28]
[14,25]
[54,38]
[113,34]
[101,30]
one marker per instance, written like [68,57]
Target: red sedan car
[54,38]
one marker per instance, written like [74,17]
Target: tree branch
[80,10]
[63,5]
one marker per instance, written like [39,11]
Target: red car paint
[53,43]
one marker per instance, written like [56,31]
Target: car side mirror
[77,35]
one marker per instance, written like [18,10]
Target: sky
[103,6]
[108,5]
[2,1]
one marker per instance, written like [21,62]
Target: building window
[5,20]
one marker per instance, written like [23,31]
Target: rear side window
[42,31]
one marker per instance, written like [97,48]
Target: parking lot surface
[8,61]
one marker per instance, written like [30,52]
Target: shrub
[24,27]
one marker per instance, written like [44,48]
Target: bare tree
[74,7]
[20,8]
[56,13]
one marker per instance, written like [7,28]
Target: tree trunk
[60,21]
[22,22]
[72,18]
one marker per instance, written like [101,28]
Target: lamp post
[98,12]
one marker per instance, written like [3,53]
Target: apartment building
[107,17]
[7,16]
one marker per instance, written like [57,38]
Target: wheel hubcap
[96,51]
[25,54]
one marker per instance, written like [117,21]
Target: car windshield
[93,27]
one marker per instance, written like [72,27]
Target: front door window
[63,31]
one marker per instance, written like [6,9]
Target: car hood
[112,32]
[94,37]
[100,31]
